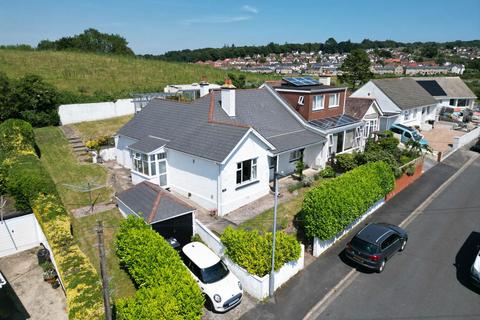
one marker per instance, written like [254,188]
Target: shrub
[297,185]
[299,167]
[345,162]
[327,172]
[330,207]
[16,136]
[253,251]
[154,265]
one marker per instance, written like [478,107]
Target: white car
[222,288]
[475,271]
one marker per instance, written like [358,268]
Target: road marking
[320,307]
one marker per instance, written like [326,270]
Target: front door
[272,164]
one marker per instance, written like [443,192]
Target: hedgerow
[168,291]
[23,177]
[253,251]
[330,207]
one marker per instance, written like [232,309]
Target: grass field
[96,129]
[58,158]
[85,233]
[116,75]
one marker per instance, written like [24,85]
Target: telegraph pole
[103,271]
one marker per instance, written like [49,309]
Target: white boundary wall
[459,142]
[320,246]
[74,113]
[256,286]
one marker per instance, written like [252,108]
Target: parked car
[222,288]
[375,244]
[408,133]
[475,271]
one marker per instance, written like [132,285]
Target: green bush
[330,207]
[345,162]
[16,136]
[253,251]
[327,172]
[154,264]
[295,186]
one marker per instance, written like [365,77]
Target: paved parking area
[39,299]
[441,137]
[247,304]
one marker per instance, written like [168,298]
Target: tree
[429,51]
[331,46]
[356,69]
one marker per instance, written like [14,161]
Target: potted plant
[50,275]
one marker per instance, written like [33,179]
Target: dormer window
[301,100]
[317,103]
[334,100]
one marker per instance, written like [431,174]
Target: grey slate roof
[148,144]
[406,93]
[454,87]
[357,107]
[259,109]
[153,203]
[186,127]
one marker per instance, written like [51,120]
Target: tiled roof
[454,87]
[357,107]
[406,93]
[148,144]
[153,203]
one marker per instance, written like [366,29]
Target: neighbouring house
[322,108]
[426,70]
[388,69]
[400,100]
[221,150]
[449,92]
[194,90]
[165,213]
[367,110]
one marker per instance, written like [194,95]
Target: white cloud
[250,9]
[218,19]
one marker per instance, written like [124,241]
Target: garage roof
[153,203]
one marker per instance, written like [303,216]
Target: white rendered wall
[312,156]
[122,153]
[80,112]
[189,174]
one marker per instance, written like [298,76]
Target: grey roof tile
[406,93]
[148,144]
[357,107]
[453,86]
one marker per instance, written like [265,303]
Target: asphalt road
[429,280]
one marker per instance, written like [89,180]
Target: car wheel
[382,266]
[403,245]
[209,304]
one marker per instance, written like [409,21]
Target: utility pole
[275,202]
[103,271]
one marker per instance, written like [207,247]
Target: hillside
[118,76]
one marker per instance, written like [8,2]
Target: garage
[168,215]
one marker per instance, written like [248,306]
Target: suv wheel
[403,245]
[382,266]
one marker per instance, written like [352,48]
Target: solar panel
[301,81]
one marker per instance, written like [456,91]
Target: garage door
[180,228]
[18,234]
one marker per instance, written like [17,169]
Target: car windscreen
[214,273]
[364,246]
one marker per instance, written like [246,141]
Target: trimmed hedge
[330,207]
[23,176]
[253,251]
[168,291]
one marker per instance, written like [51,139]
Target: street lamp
[275,203]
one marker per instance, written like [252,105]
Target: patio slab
[441,137]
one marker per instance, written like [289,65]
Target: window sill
[246,184]
[143,175]
[295,160]
[333,107]
[317,110]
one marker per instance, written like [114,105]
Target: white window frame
[407,115]
[253,172]
[337,100]
[296,155]
[149,162]
[315,103]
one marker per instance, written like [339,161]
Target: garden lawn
[286,213]
[85,233]
[96,129]
[58,158]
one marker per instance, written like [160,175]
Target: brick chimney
[228,98]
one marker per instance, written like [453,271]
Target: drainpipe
[219,188]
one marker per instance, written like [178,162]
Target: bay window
[140,162]
[246,171]
[151,165]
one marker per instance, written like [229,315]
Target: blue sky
[156,26]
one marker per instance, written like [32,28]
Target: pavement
[306,289]
[25,276]
[429,280]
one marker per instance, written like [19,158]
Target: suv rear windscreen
[364,246]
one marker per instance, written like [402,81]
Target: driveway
[441,137]
[308,287]
[429,280]
[39,299]
[247,303]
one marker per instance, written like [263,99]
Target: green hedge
[330,207]
[253,251]
[157,268]
[23,177]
